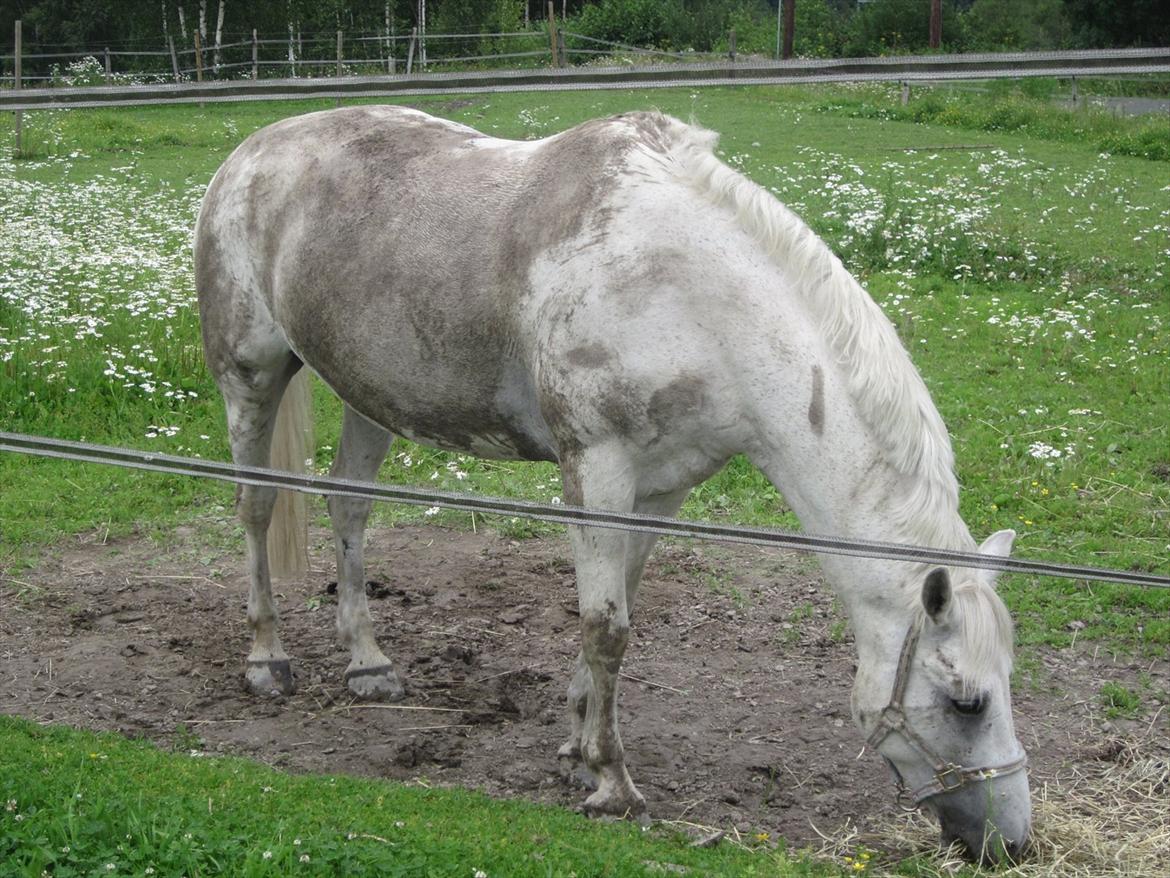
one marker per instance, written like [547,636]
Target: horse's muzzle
[992,818]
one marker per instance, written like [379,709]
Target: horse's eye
[969,706]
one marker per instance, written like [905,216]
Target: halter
[948,777]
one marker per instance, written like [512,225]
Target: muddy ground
[735,710]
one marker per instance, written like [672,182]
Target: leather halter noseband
[948,777]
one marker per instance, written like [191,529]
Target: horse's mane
[888,391]
[885,386]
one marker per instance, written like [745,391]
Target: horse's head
[938,708]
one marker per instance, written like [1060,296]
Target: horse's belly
[494,416]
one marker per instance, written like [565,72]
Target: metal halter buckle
[951,777]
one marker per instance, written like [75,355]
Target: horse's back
[396,254]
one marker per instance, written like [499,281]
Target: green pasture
[78,804]
[1027,275]
[1024,261]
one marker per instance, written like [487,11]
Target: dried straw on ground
[1105,819]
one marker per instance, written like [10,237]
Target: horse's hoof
[626,807]
[269,678]
[375,684]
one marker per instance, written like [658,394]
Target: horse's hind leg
[638,548]
[362,449]
[252,398]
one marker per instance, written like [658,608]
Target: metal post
[255,56]
[1074,91]
[779,26]
[905,93]
[731,45]
[16,86]
[174,57]
[108,68]
[562,55]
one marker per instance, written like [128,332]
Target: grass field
[1028,271]
[1028,277]
[78,804]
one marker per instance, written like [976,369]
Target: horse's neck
[839,475]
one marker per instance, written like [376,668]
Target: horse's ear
[936,595]
[1000,545]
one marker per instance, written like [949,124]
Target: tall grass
[1016,107]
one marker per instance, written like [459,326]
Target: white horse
[617,300]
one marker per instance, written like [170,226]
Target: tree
[898,26]
[1119,23]
[998,25]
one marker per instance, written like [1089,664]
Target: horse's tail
[292,444]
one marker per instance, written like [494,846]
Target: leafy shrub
[901,26]
[650,24]
[1150,143]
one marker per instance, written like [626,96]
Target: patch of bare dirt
[734,710]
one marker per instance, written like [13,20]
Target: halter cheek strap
[948,777]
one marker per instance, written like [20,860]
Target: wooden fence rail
[897,69]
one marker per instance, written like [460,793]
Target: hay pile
[1105,819]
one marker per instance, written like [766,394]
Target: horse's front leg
[598,480]
[605,632]
[637,550]
[360,453]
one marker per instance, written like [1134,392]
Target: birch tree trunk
[203,21]
[422,32]
[292,55]
[182,22]
[389,37]
[218,35]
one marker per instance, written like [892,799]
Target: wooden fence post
[552,34]
[338,104]
[108,67]
[562,55]
[1074,91]
[255,56]
[174,57]
[410,50]
[16,86]
[789,27]
[198,58]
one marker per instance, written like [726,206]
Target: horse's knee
[348,513]
[254,506]
[604,636]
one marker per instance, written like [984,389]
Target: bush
[1015,25]
[898,27]
[648,24]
